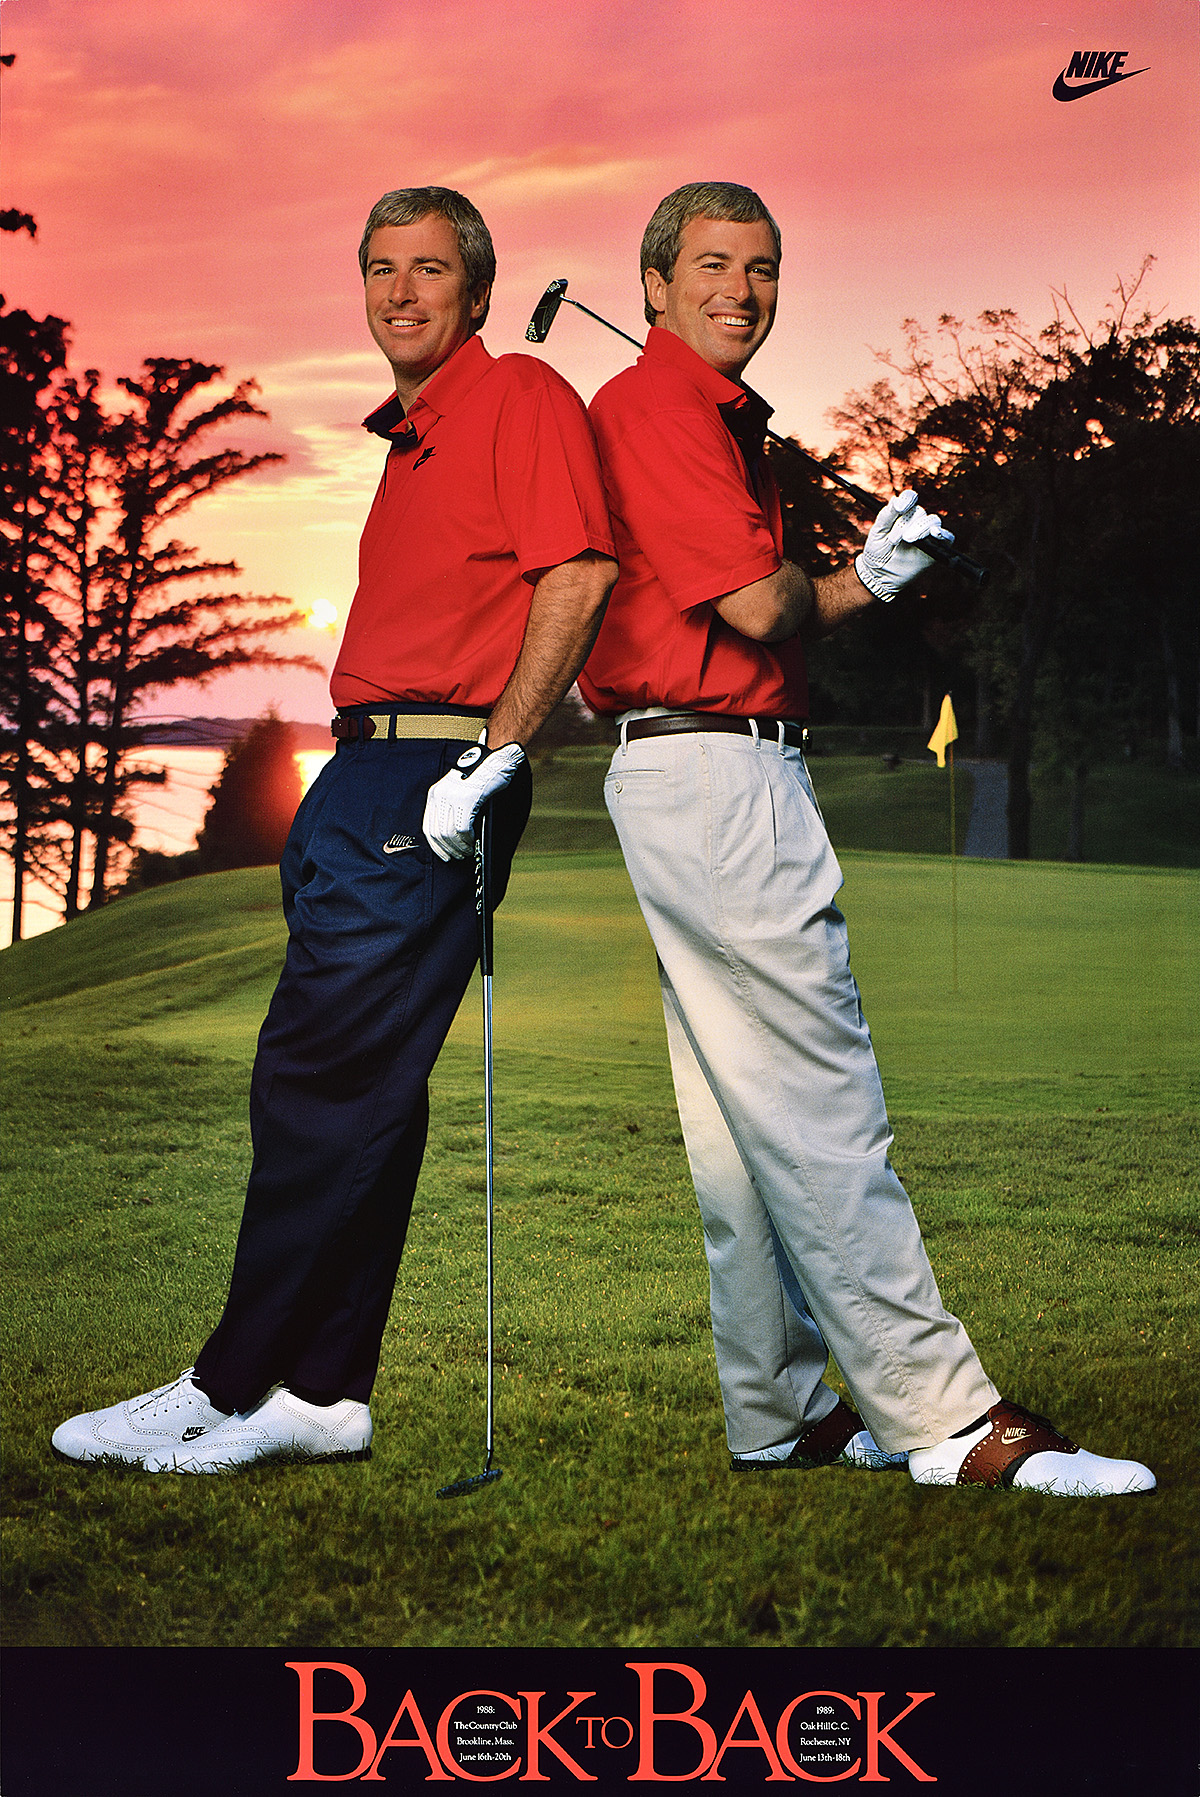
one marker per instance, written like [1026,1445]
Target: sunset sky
[200,172]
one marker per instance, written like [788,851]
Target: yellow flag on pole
[945,733]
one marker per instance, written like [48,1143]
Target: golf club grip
[483,889]
[870,502]
[952,558]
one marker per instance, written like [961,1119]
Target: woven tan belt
[384,726]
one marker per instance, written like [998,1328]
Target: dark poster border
[228,1722]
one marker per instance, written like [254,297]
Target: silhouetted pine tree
[254,800]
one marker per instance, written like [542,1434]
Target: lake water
[167,819]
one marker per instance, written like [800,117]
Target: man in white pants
[811,1240]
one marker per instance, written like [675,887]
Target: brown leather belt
[384,726]
[787,732]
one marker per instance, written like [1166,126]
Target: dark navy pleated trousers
[383,939]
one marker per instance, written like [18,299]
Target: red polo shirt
[492,477]
[696,515]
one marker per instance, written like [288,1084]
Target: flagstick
[953,873]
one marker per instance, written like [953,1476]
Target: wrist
[885,597]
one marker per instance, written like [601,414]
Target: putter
[483,910]
[544,315]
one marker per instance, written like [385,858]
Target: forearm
[837,598]
[565,612]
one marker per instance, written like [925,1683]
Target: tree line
[1066,458]
[102,603]
[1068,461]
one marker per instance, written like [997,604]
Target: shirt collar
[745,412]
[446,387]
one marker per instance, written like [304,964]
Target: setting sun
[310,762]
[323,614]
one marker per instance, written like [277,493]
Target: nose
[737,285]
[400,288]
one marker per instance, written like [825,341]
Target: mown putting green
[1044,1127]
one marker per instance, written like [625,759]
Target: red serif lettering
[648,1717]
[309,1717]
[882,1737]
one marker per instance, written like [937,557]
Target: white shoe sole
[281,1428]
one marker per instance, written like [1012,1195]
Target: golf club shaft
[539,328]
[488,1152]
[485,968]
[610,327]
[483,910]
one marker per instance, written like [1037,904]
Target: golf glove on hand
[890,557]
[454,802]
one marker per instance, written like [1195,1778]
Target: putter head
[545,312]
[461,1487]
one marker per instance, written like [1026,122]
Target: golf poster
[534,1560]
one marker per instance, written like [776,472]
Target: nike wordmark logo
[1011,1435]
[191,1434]
[398,843]
[1093,69]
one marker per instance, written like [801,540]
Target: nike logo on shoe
[193,1432]
[1011,1435]
[398,844]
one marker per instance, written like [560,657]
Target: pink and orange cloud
[199,174]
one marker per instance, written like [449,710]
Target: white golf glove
[454,802]
[891,555]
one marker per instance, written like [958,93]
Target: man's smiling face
[419,307]
[721,298]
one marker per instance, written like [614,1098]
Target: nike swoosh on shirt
[1063,92]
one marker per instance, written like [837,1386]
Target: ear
[656,290]
[479,298]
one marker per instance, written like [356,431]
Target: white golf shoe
[841,1436]
[863,1450]
[1015,1450]
[280,1427]
[157,1422]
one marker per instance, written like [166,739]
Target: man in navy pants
[485,566]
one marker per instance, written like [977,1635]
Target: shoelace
[166,1397]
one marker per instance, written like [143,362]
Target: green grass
[866,805]
[1137,813]
[1044,1119]
[1134,811]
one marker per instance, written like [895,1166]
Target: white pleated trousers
[811,1241]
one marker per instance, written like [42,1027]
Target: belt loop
[625,736]
[753,723]
[780,727]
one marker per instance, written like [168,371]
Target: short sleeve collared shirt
[492,477]
[696,515]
